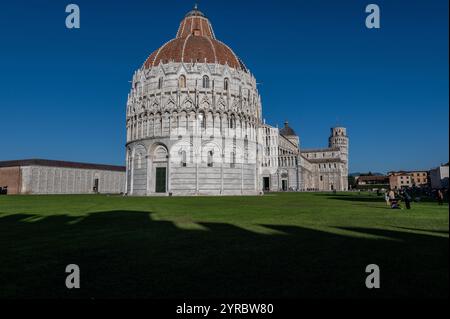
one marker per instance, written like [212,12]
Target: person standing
[386,198]
[391,195]
[440,197]
[407,200]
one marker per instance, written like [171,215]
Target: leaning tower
[339,139]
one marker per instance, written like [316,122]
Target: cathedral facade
[194,127]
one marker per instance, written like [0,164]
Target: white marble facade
[195,128]
[37,179]
[197,122]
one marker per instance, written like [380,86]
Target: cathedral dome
[195,42]
[287,130]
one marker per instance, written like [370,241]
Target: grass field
[279,245]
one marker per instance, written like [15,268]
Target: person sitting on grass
[391,196]
[395,204]
[394,200]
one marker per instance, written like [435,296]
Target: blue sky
[63,92]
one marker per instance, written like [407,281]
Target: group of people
[3,190]
[394,197]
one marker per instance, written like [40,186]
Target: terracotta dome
[195,42]
[287,130]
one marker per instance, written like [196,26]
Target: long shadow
[358,199]
[352,198]
[443,232]
[369,198]
[128,254]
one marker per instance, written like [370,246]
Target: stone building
[420,178]
[439,177]
[373,180]
[328,167]
[37,176]
[194,127]
[401,179]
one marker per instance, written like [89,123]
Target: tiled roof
[318,150]
[373,178]
[195,42]
[324,160]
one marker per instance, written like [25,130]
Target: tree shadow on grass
[128,254]
[442,232]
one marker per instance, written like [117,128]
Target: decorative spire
[195,12]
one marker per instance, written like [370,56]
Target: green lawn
[279,245]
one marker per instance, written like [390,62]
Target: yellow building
[398,180]
[419,178]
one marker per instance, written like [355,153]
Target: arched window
[232,159]
[210,158]
[246,149]
[202,119]
[226,84]
[205,82]
[160,83]
[183,159]
[138,87]
[182,82]
[139,161]
[232,122]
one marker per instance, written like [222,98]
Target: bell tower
[339,139]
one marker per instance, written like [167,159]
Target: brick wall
[10,176]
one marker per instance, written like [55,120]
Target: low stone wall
[60,180]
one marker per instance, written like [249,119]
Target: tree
[351,181]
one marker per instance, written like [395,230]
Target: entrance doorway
[266,183]
[95,189]
[160,186]
[284,185]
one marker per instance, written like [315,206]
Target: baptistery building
[195,127]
